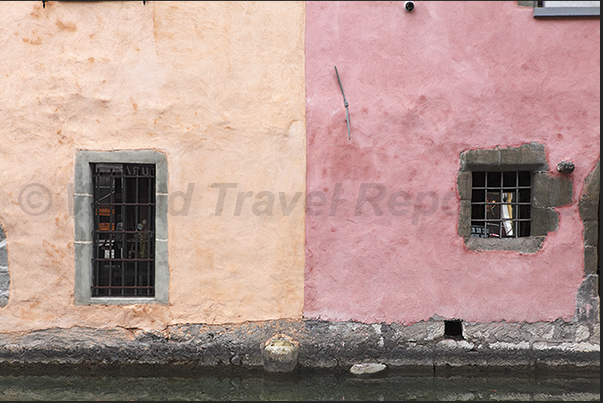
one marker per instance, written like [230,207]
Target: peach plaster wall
[216,86]
[423,87]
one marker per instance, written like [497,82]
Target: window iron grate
[501,204]
[123,259]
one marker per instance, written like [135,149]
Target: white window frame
[566,9]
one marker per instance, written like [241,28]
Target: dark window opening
[453,329]
[123,262]
[501,204]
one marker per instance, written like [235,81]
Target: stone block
[592,186]
[525,157]
[3,255]
[479,159]
[582,333]
[551,191]
[544,220]
[4,281]
[83,217]
[367,368]
[494,332]
[591,233]
[435,330]
[280,354]
[161,224]
[530,157]
[565,332]
[587,300]
[595,334]
[464,228]
[540,331]
[464,183]
[530,244]
[590,259]
[588,211]
[420,331]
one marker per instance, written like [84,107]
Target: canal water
[391,385]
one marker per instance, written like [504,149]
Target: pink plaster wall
[422,87]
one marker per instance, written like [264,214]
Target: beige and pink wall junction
[275,210]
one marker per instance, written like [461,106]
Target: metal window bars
[123,262]
[501,204]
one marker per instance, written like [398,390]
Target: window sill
[567,11]
[530,244]
[122,301]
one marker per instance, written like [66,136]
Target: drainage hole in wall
[453,329]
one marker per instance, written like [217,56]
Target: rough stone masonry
[320,344]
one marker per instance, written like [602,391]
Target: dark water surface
[582,385]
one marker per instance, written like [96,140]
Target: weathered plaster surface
[422,88]
[216,86]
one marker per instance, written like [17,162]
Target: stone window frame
[83,223]
[547,193]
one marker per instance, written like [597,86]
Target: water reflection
[394,385]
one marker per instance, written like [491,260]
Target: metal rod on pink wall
[345,103]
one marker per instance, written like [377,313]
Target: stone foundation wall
[321,344]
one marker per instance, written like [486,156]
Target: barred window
[124,230]
[121,239]
[500,204]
